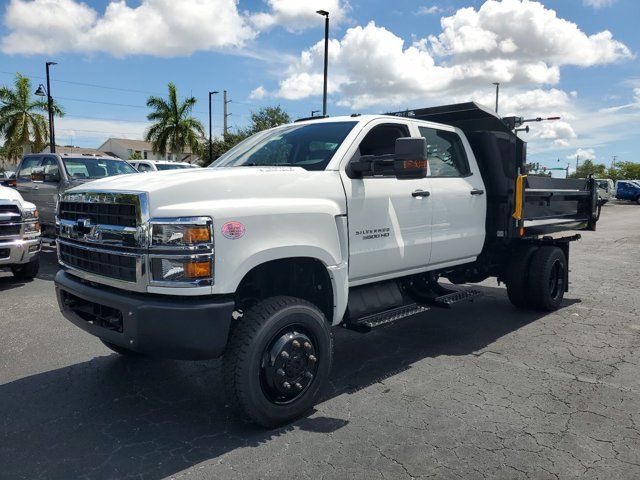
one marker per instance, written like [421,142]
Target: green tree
[174,129]
[589,168]
[22,126]
[268,117]
[135,156]
[624,171]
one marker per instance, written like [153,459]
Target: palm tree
[22,127]
[174,129]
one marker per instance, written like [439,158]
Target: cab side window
[143,167]
[381,140]
[51,169]
[445,153]
[27,167]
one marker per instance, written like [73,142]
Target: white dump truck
[326,222]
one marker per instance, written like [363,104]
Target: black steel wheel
[547,278]
[277,360]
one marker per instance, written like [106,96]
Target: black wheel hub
[289,365]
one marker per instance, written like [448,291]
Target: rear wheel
[547,278]
[638,200]
[26,271]
[277,361]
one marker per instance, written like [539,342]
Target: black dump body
[540,205]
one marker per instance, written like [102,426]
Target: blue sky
[574,58]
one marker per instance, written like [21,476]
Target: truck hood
[10,195]
[192,191]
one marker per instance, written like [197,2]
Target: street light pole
[325,14]
[210,139]
[52,133]
[497,84]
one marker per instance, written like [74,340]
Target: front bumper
[16,252]
[160,326]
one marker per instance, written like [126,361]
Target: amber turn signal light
[197,270]
[197,235]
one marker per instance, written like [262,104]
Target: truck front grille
[119,214]
[10,229]
[9,209]
[99,262]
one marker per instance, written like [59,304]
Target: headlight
[29,214]
[31,228]
[197,270]
[181,234]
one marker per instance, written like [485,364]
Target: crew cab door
[389,224]
[458,197]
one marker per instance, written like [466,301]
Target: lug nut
[309,375]
[280,372]
[298,386]
[284,354]
[296,344]
[286,385]
[312,358]
[307,345]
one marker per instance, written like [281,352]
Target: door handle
[420,194]
[36,187]
[477,191]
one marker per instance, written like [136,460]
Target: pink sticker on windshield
[233,230]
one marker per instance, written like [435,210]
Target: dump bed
[518,204]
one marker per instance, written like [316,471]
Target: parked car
[606,190]
[628,190]
[159,165]
[19,234]
[345,221]
[41,178]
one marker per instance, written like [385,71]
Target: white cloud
[515,42]
[296,15]
[584,154]
[154,27]
[598,3]
[100,130]
[258,93]
[432,10]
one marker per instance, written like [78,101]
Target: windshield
[170,166]
[309,146]
[96,168]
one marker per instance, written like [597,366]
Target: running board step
[449,299]
[365,324]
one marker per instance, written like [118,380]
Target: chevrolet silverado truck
[346,221]
[19,235]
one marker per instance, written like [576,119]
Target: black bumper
[168,327]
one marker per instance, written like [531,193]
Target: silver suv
[42,177]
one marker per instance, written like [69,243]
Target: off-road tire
[26,271]
[125,352]
[544,291]
[516,276]
[243,360]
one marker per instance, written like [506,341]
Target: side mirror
[52,177]
[37,176]
[410,158]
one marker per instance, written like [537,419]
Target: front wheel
[26,271]
[638,200]
[277,360]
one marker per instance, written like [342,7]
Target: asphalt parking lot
[482,391]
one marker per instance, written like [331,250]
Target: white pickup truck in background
[344,221]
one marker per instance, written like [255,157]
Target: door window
[143,167]
[445,153]
[381,140]
[27,167]
[51,170]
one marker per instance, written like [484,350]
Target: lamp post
[497,84]
[210,140]
[41,92]
[325,14]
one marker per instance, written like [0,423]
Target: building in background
[124,148]
[76,150]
